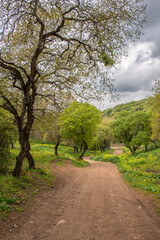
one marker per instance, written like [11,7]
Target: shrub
[6,136]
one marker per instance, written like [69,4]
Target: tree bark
[76,149]
[12,145]
[56,147]
[146,148]
[24,133]
[131,150]
[30,160]
[84,150]
[101,150]
[19,161]
[154,143]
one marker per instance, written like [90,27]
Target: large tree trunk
[30,160]
[84,150]
[24,133]
[19,161]
[25,152]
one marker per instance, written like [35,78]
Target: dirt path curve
[92,203]
[117,150]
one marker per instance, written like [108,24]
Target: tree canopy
[52,46]
[155,120]
[79,122]
[103,136]
[133,129]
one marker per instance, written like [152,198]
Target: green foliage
[108,61]
[142,170]
[7,132]
[131,107]
[79,121]
[106,158]
[133,129]
[98,158]
[155,120]
[79,163]
[103,137]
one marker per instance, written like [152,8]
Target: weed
[19,209]
[79,163]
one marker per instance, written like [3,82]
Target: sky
[138,72]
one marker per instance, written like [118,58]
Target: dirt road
[92,203]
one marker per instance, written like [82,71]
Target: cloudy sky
[139,70]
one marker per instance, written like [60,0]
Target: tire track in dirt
[92,203]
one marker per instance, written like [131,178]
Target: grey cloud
[151,30]
[142,57]
[156,47]
[137,78]
[153,12]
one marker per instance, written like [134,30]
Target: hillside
[142,105]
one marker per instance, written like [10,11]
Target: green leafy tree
[50,45]
[104,136]
[78,122]
[155,119]
[133,130]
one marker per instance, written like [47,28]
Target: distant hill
[142,105]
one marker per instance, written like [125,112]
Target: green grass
[80,163]
[142,170]
[106,158]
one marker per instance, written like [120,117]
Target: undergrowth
[79,163]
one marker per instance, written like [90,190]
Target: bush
[112,159]
[106,158]
[6,136]
[98,158]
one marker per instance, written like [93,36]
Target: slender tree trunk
[146,148]
[131,150]
[154,143]
[84,150]
[56,147]
[12,145]
[134,149]
[101,150]
[76,149]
